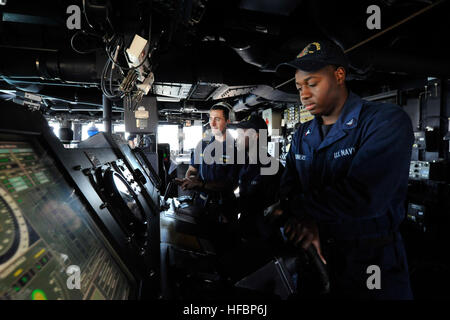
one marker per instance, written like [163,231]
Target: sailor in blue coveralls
[257,189]
[345,180]
[215,181]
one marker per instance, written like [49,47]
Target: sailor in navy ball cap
[346,176]
[257,191]
[316,56]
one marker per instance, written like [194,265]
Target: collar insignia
[350,123]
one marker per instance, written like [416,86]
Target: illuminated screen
[49,247]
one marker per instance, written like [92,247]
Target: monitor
[50,247]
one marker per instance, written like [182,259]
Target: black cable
[110,75]
[89,23]
[85,15]
[73,46]
[102,80]
[118,94]
[110,80]
[109,95]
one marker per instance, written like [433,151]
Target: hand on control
[189,183]
[304,232]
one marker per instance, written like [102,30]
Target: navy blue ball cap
[253,121]
[316,56]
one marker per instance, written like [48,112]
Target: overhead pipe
[47,64]
[249,55]
[245,103]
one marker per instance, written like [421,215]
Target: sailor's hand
[179,181]
[303,233]
[190,183]
[277,212]
[273,212]
[273,216]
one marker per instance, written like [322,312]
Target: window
[55,126]
[119,128]
[192,135]
[169,134]
[84,129]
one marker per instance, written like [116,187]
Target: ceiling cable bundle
[129,76]
[127,72]
[109,89]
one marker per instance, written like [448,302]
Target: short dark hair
[225,110]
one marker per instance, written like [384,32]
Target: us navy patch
[300,157]
[344,152]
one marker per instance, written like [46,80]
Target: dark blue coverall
[227,171]
[257,192]
[353,183]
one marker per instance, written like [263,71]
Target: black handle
[169,189]
[311,252]
[320,267]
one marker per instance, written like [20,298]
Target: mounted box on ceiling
[143,117]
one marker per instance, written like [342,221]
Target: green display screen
[49,247]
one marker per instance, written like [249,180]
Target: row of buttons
[25,278]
